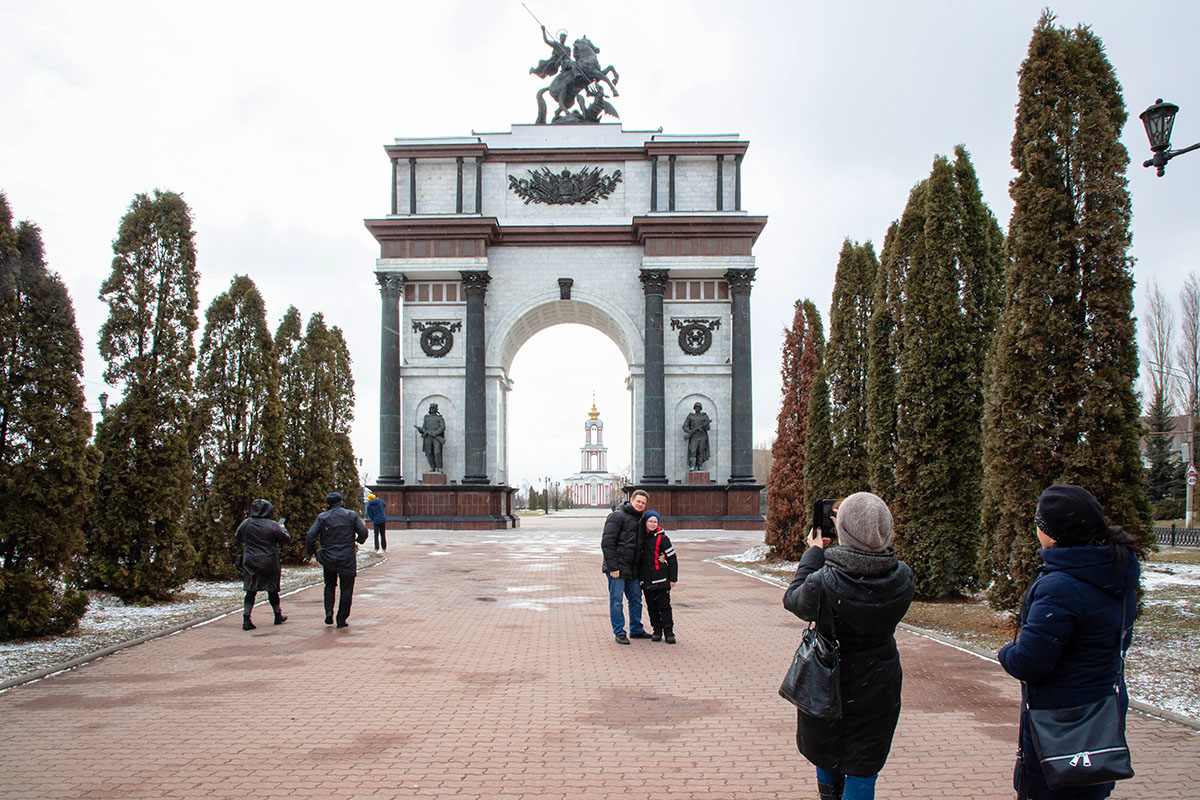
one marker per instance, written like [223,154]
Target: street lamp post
[546,498]
[1159,119]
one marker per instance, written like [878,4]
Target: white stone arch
[535,313]
[546,309]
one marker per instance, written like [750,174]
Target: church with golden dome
[592,485]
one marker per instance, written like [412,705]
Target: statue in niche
[433,436]
[695,430]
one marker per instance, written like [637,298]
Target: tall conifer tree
[846,364]
[820,473]
[786,512]
[241,424]
[137,544]
[317,392]
[951,276]
[1061,405]
[882,357]
[46,466]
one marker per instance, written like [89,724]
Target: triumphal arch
[493,237]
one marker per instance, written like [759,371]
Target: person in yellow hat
[377,513]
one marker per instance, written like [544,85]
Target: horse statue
[577,75]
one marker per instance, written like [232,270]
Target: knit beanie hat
[864,523]
[333,498]
[1070,515]
[370,497]
[649,513]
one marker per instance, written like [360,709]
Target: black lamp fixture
[103,398]
[1159,119]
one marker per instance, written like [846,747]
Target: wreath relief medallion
[695,335]
[437,336]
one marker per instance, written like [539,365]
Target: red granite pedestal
[455,507]
[706,506]
[433,479]
[699,478]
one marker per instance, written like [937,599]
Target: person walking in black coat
[1080,605]
[337,529]
[658,572]
[261,537]
[861,591]
[619,543]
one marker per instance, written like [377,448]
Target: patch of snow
[756,553]
[1158,575]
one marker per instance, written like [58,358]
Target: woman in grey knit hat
[871,590]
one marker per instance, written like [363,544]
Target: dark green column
[654,412]
[741,418]
[391,287]
[475,285]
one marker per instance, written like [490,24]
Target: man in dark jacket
[620,544]
[338,529]
[377,513]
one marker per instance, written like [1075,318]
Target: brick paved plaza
[481,665]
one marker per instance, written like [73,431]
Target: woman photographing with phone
[871,590]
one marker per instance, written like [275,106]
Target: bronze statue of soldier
[433,437]
[695,429]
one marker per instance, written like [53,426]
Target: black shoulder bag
[1084,745]
[813,682]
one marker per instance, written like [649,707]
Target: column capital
[475,282]
[390,283]
[739,280]
[654,281]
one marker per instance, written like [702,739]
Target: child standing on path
[658,573]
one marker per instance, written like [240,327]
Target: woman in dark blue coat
[871,590]
[1082,602]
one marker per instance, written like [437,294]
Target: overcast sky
[270,119]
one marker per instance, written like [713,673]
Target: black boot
[280,618]
[657,637]
[669,634]
[830,791]
[247,625]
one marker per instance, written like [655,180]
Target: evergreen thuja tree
[1060,404]
[938,449]
[786,528]
[46,466]
[317,392]
[845,364]
[240,453]
[882,356]
[137,543]
[820,472]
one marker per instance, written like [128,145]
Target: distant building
[592,485]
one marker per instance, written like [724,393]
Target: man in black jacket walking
[620,543]
[338,529]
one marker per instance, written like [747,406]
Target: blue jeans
[630,589]
[856,788]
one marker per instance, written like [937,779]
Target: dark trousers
[331,581]
[381,536]
[248,602]
[658,603]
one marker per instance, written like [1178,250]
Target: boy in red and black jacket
[658,572]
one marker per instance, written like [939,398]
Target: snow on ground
[1157,575]
[109,621]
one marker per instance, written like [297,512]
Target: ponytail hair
[1122,544]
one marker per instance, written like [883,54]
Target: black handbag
[1083,745]
[813,683]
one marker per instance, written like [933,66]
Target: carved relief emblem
[590,185]
[695,335]
[437,336]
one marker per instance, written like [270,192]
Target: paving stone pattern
[481,665]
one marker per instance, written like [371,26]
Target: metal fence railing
[1177,537]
